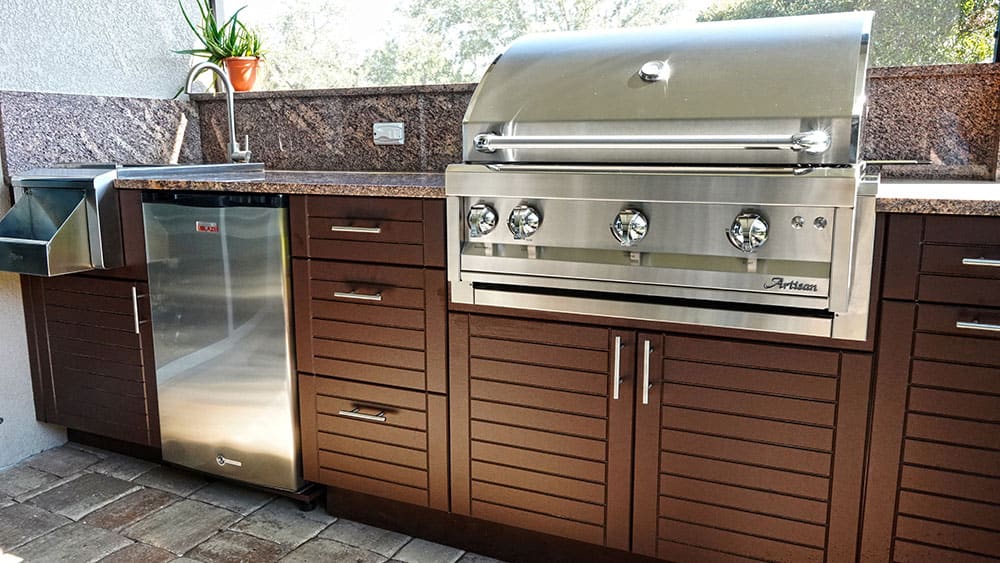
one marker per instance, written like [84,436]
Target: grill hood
[782,91]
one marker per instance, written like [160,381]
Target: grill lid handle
[813,142]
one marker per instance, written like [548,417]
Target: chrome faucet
[236,153]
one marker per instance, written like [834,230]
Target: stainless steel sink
[249,170]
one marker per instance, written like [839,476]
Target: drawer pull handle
[355,413]
[356,295]
[977,326]
[135,308]
[981,262]
[353,229]
[618,368]
[647,350]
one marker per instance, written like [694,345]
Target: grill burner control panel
[748,232]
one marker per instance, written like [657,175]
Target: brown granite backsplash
[40,129]
[948,115]
[332,129]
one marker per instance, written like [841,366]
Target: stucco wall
[104,47]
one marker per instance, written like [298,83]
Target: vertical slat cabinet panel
[307,427]
[436,330]
[458,395]
[534,424]
[849,457]
[437,451]
[133,239]
[902,257]
[434,237]
[34,317]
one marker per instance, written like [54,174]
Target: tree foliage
[458,38]
[436,41]
[905,32]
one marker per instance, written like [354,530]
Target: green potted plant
[231,45]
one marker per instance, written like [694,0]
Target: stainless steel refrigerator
[221,311]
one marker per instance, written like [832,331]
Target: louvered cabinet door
[90,345]
[748,452]
[933,482]
[934,477]
[541,438]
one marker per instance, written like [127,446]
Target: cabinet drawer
[966,261]
[366,230]
[375,440]
[967,335]
[967,274]
[383,286]
[371,323]
[377,208]
[359,229]
[962,230]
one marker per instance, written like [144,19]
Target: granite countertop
[380,184]
[939,197]
[895,196]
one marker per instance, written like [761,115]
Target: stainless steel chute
[63,221]
[703,174]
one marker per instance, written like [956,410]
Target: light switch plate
[389,133]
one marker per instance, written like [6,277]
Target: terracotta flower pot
[242,72]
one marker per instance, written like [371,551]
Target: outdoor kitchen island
[752,444]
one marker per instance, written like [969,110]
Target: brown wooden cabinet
[748,450]
[735,450]
[370,302]
[933,491]
[538,438]
[90,345]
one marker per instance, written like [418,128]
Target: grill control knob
[629,226]
[524,221]
[482,220]
[748,232]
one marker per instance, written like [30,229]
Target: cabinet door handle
[355,413]
[977,326]
[647,350]
[356,295]
[618,368]
[135,308]
[352,229]
[981,262]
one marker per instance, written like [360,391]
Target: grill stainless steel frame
[652,174]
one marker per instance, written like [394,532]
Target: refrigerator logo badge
[205,227]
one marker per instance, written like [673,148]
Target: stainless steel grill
[703,174]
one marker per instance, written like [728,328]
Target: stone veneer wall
[948,114]
[39,129]
[332,129]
